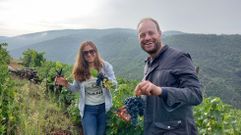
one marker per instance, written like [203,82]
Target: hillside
[3,38]
[218,56]
[219,59]
[29,107]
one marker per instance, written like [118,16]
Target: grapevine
[102,79]
[135,107]
[58,74]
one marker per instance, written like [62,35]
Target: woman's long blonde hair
[81,71]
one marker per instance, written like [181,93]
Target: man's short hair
[149,19]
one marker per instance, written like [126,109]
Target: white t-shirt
[94,94]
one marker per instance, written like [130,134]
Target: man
[170,85]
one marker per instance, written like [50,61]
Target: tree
[5,57]
[32,58]
[8,115]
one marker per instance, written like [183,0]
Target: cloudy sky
[193,16]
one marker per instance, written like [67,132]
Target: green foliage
[47,72]
[213,117]
[93,72]
[40,114]
[32,58]
[8,106]
[73,111]
[115,125]
[63,97]
[5,57]
[216,118]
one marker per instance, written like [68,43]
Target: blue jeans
[94,120]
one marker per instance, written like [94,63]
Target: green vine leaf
[93,72]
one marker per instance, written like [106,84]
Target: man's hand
[61,81]
[147,88]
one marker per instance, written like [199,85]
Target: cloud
[201,16]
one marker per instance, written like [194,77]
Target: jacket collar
[150,60]
[152,64]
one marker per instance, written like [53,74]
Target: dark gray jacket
[171,113]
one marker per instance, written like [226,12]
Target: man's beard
[155,49]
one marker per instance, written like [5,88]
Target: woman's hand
[123,114]
[61,81]
[147,88]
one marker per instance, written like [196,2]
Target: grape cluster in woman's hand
[100,78]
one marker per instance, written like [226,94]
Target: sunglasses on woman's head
[92,52]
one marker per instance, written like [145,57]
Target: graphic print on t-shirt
[94,93]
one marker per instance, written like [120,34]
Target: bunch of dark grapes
[135,107]
[106,83]
[100,78]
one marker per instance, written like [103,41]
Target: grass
[38,114]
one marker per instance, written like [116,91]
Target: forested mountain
[219,59]
[3,38]
[218,56]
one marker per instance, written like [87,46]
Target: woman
[95,100]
